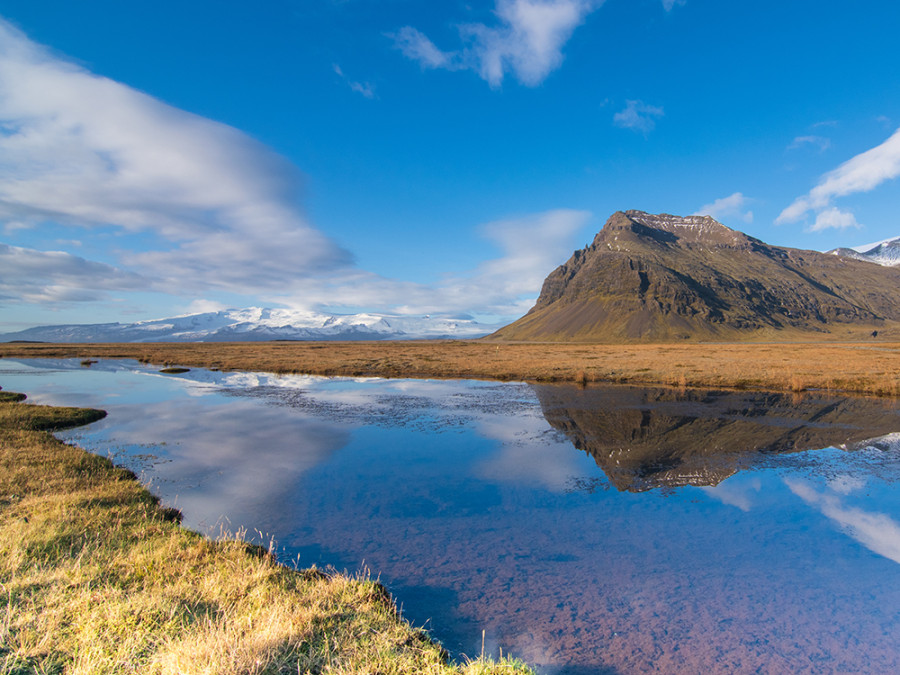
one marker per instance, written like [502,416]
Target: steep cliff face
[663,277]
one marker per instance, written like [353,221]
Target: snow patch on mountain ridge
[885,253]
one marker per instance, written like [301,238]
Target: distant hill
[886,253]
[257,324]
[661,277]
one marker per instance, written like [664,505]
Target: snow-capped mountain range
[259,324]
[885,253]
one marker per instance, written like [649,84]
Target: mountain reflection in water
[645,438]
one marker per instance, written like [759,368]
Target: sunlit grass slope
[97,577]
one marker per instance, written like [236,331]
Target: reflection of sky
[878,532]
[735,493]
[457,496]
[529,453]
[238,461]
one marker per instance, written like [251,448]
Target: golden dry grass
[96,577]
[864,367]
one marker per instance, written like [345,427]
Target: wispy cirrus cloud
[365,89]
[821,143]
[862,173]
[416,46]
[526,41]
[638,116]
[732,206]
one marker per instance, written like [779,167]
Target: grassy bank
[870,367]
[97,577]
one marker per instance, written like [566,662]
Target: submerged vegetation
[97,577]
[869,366]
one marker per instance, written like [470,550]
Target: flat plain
[871,367]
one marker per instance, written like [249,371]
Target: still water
[585,530]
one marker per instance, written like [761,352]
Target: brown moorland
[870,367]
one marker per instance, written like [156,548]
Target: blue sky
[404,156]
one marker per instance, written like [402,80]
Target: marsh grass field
[97,577]
[867,367]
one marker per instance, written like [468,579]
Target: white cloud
[638,116]
[416,46]
[820,142]
[669,4]
[366,89]
[218,209]
[50,277]
[527,41]
[862,173]
[531,247]
[878,532]
[85,151]
[201,306]
[733,206]
[833,218]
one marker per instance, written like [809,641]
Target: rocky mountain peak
[668,228]
[670,223]
[665,277]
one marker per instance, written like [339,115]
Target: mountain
[661,277]
[886,253]
[644,438]
[255,324]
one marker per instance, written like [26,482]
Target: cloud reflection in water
[878,532]
[243,457]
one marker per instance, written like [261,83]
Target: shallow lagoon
[595,530]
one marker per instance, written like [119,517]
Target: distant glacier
[260,324]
